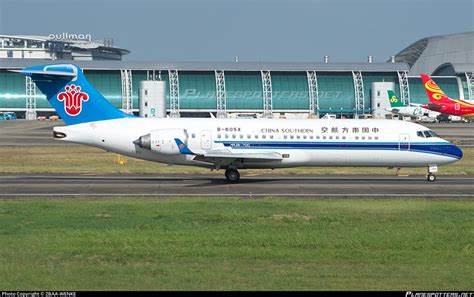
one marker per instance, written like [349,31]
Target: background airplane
[233,144]
[412,110]
[440,102]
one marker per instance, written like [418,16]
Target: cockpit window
[426,134]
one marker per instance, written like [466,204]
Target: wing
[434,106]
[223,154]
[225,157]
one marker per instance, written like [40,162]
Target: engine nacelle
[163,141]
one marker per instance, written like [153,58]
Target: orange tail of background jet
[435,94]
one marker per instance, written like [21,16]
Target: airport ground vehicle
[7,115]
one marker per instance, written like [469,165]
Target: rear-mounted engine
[162,141]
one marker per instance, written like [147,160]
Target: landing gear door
[404,142]
[206,140]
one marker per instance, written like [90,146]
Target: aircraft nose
[454,151]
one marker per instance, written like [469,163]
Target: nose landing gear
[430,176]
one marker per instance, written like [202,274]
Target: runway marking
[239,195]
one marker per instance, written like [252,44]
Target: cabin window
[234,136]
[297,137]
[318,137]
[311,137]
[271,136]
[357,137]
[343,137]
[249,136]
[324,137]
[227,136]
[193,135]
[241,136]
[376,137]
[330,137]
[264,136]
[285,136]
[363,137]
[218,136]
[304,136]
[256,136]
[292,136]
[370,137]
[337,137]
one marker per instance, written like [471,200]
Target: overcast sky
[254,30]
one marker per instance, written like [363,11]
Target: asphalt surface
[249,186]
[24,133]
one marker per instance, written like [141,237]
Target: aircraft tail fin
[435,94]
[72,96]
[394,101]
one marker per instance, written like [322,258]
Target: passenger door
[206,140]
[404,142]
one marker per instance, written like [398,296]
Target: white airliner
[234,144]
[413,110]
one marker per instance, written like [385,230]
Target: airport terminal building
[281,90]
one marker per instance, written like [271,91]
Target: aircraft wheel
[431,177]
[232,175]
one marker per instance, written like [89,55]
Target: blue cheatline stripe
[437,148]
[325,142]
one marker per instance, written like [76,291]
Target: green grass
[236,244]
[88,160]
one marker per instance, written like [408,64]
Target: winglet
[183,149]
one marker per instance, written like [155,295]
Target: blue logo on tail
[183,148]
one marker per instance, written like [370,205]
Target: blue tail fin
[72,96]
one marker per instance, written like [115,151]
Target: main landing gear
[232,175]
[430,176]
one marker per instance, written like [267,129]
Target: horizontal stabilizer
[42,72]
